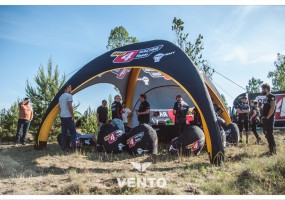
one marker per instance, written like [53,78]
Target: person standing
[102,114]
[126,113]
[117,108]
[180,110]
[24,121]
[144,110]
[243,112]
[67,118]
[268,117]
[254,119]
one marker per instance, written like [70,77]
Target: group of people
[249,116]
[120,115]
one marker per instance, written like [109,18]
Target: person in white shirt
[126,114]
[67,118]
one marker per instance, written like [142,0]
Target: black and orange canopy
[158,67]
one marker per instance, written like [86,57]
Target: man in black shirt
[243,112]
[254,119]
[117,108]
[102,114]
[268,117]
[180,110]
[144,110]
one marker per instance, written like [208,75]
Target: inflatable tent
[158,68]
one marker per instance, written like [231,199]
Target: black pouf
[192,140]
[81,140]
[142,139]
[86,140]
[165,133]
[232,133]
[111,139]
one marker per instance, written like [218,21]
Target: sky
[240,42]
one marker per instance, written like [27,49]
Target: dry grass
[247,170]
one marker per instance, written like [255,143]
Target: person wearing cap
[24,121]
[254,119]
[180,110]
[243,112]
[144,110]
[117,108]
[67,118]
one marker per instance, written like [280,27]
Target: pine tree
[9,122]
[254,85]
[47,86]
[278,75]
[119,37]
[89,122]
[193,50]
[224,101]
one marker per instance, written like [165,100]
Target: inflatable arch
[137,68]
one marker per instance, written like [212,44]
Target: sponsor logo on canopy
[156,74]
[121,73]
[128,56]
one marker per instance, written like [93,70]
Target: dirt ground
[26,171]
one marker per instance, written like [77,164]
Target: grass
[246,171]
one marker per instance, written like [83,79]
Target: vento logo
[142,182]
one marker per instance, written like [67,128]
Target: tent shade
[136,69]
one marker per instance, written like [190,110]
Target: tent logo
[144,79]
[121,146]
[194,146]
[158,57]
[112,137]
[144,182]
[121,73]
[135,139]
[141,167]
[156,74]
[128,56]
[141,151]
